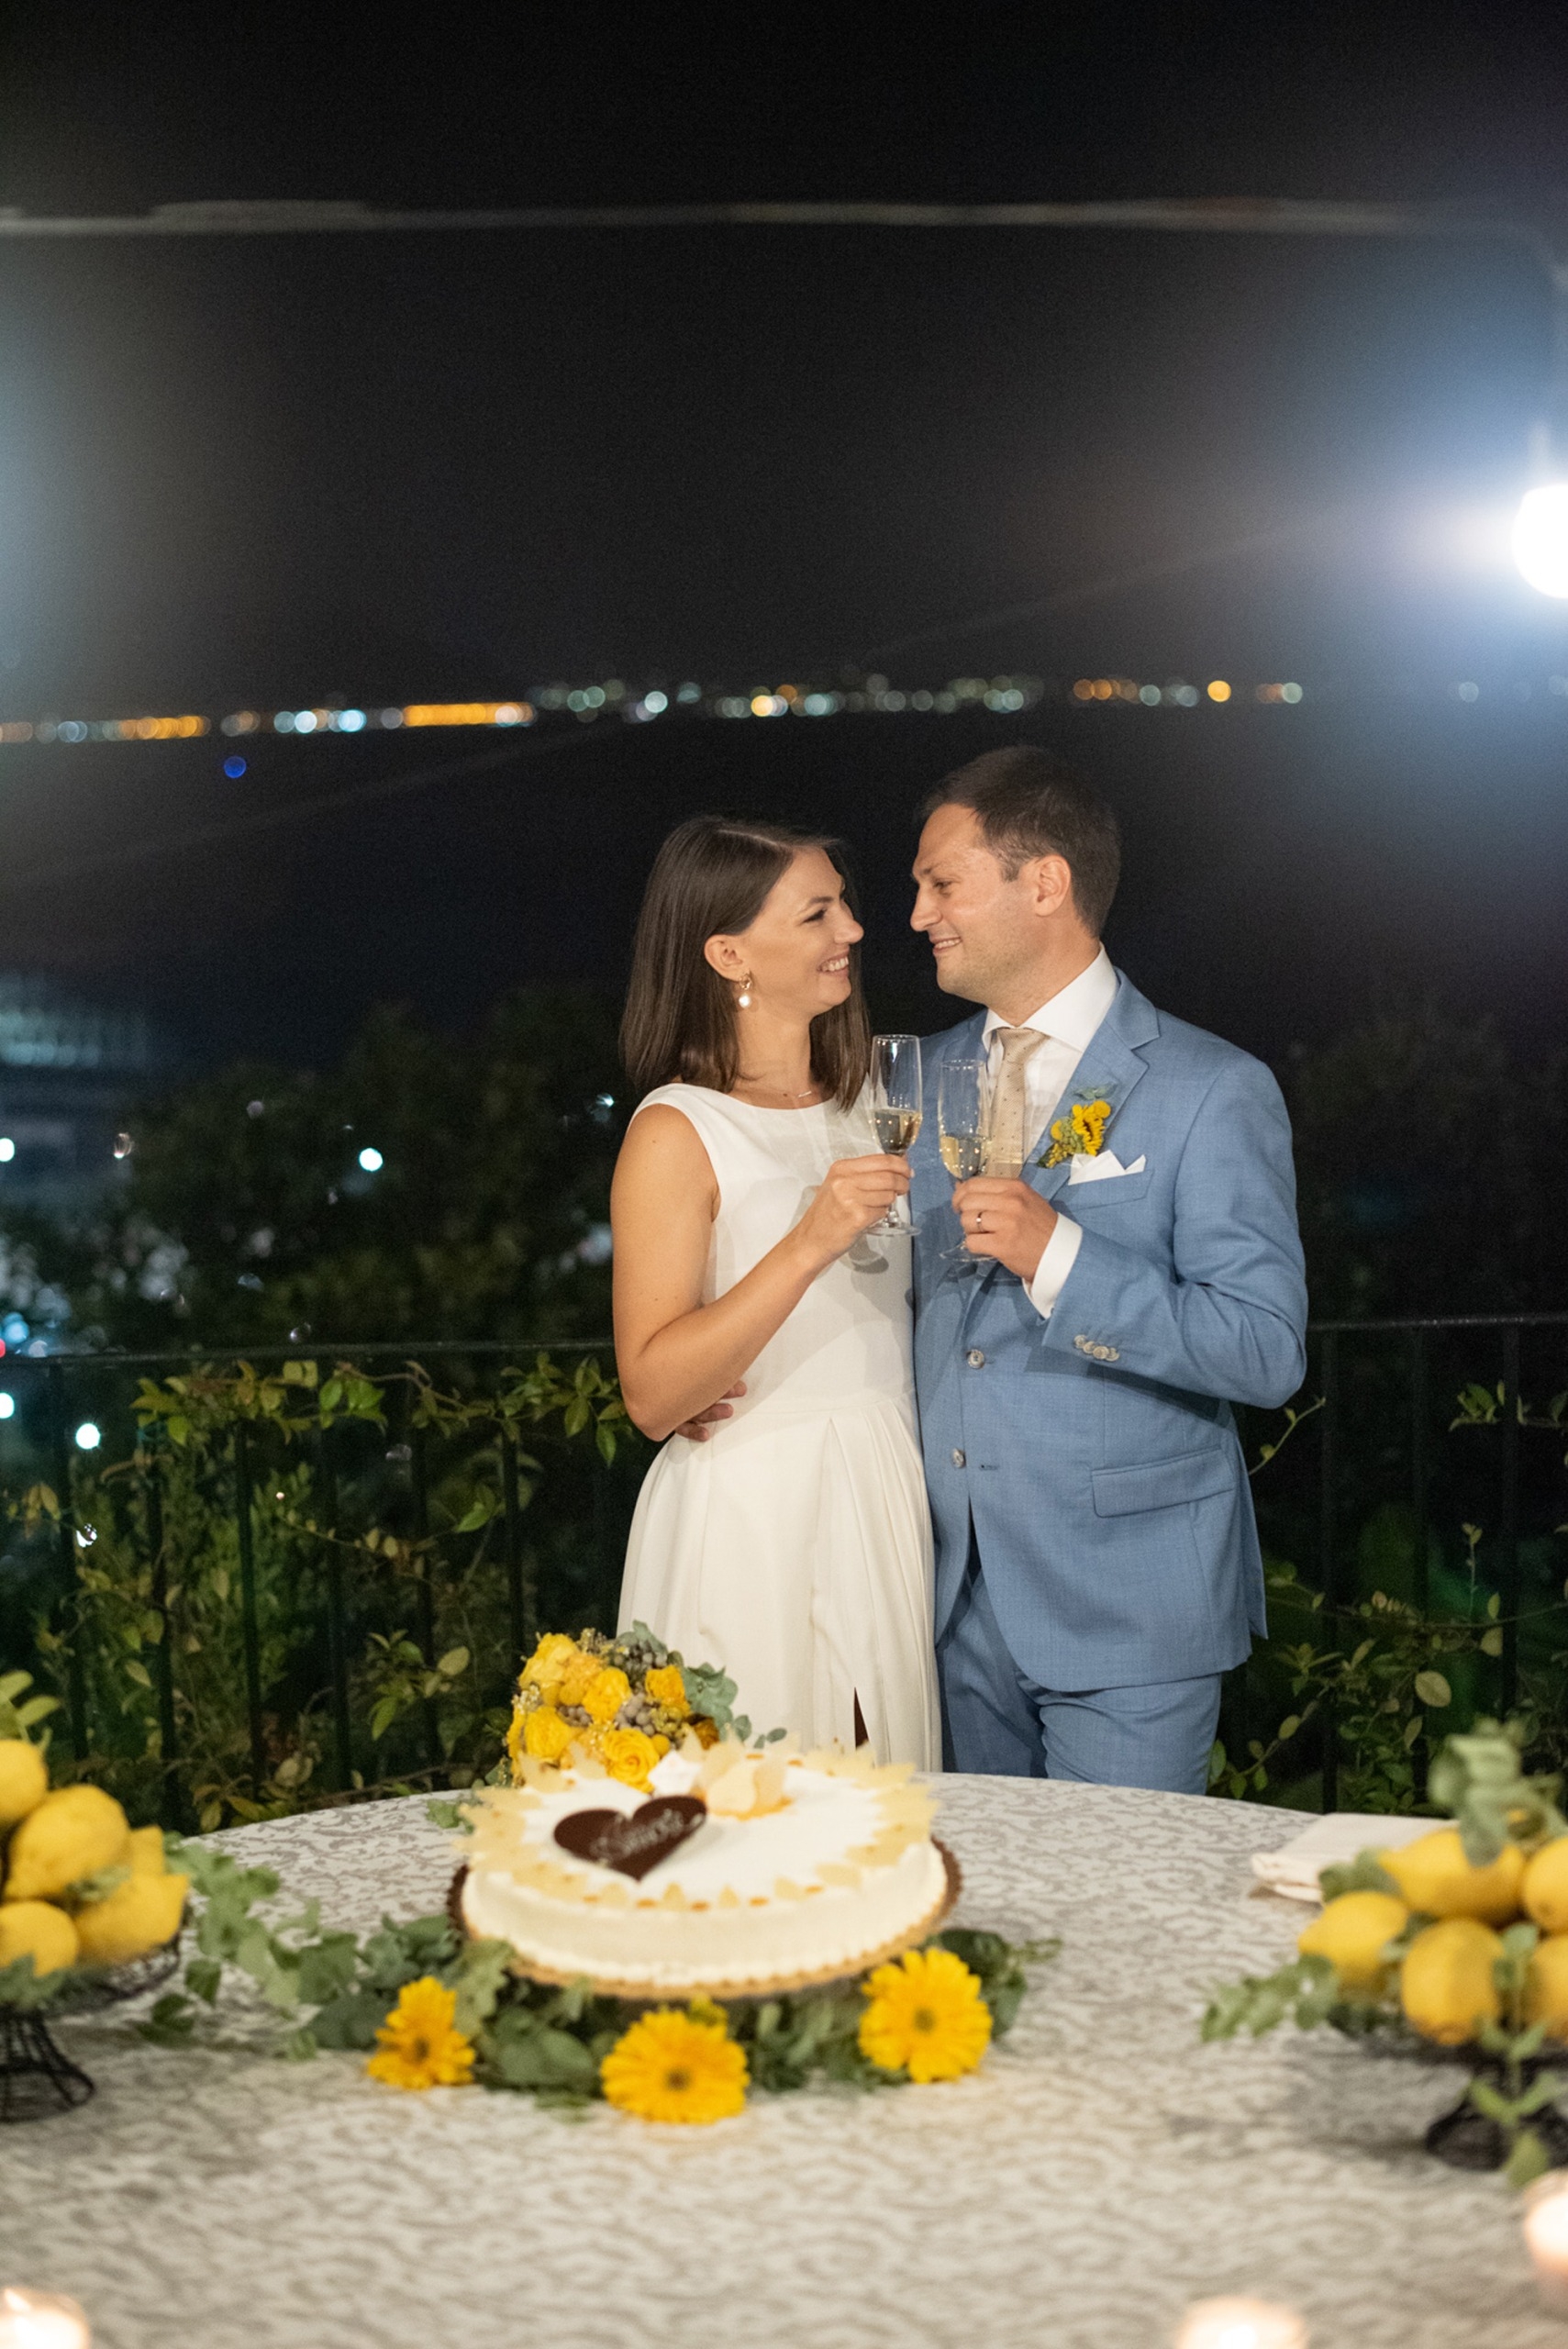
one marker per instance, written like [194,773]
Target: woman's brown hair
[711,878]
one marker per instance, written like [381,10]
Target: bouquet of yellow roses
[619,1702]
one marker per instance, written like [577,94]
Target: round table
[1099,2171]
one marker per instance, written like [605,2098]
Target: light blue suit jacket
[1097,1450]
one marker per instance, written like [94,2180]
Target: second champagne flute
[895,1106]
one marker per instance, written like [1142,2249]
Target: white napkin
[1331,1841]
[1085,1169]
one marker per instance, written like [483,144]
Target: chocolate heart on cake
[632,1842]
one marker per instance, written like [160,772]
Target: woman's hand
[852,1196]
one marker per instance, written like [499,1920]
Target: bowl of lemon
[1456,1942]
[89,1911]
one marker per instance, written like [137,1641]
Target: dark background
[263,470]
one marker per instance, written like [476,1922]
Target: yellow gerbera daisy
[418,2045]
[926,2017]
[545,1735]
[666,1685]
[674,2067]
[628,1754]
[605,1694]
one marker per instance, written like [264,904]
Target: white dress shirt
[1068,1021]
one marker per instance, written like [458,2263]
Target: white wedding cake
[742,1872]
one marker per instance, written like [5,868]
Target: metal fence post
[170,1807]
[1328,1553]
[74,1605]
[419,1479]
[512,1538]
[336,1626]
[1509,1547]
[249,1627]
[1419,1471]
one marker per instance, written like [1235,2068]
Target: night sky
[262,472]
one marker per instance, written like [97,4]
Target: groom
[1083,1326]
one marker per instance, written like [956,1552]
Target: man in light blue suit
[1083,1327]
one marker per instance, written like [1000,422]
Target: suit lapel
[1112,1064]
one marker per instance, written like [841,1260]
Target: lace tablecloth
[1098,2172]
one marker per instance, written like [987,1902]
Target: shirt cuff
[1051,1273]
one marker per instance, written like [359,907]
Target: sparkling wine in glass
[964,1103]
[895,1106]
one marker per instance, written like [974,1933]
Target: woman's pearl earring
[744,997]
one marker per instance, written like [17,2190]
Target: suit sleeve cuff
[1051,1273]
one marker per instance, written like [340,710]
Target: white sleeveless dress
[794,1547]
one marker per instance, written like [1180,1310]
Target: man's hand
[1004,1219]
[695,1431]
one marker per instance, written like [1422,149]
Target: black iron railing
[313,1603]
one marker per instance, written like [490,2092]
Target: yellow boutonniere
[1080,1134]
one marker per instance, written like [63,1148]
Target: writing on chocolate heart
[632,1844]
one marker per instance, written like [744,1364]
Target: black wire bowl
[37,2079]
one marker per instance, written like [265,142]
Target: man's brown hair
[1030,805]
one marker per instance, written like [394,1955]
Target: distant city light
[89,1436]
[7,1147]
[655,703]
[7,1406]
[123,1145]
[14,1330]
[255,1108]
[1218,690]
[234,768]
[305,721]
[371,1161]
[1540,538]
[351,721]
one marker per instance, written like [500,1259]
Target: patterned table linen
[1100,2170]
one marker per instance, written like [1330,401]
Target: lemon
[143,1914]
[24,1780]
[1546,1986]
[1351,1933]
[1436,1880]
[1446,1984]
[146,1853]
[1545,1888]
[33,1928]
[73,1834]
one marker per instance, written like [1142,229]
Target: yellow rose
[627,1755]
[549,1661]
[545,1735]
[667,1688]
[579,1677]
[605,1694]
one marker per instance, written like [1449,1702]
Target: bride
[788,1538]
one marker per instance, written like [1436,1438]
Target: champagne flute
[895,1106]
[963,1106]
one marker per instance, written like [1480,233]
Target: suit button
[957,1457]
[975,1359]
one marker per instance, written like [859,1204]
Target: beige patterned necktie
[1008,1133]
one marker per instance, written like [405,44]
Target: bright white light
[7,1406]
[351,721]
[305,721]
[1540,538]
[89,1436]
[7,1147]
[371,1161]
[655,703]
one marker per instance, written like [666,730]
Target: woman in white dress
[786,1535]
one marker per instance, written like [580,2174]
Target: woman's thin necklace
[757,1084]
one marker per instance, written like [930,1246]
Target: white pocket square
[1100,1169]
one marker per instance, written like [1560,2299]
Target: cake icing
[798,1869]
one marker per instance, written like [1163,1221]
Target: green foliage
[1480,1781]
[19,1713]
[330,1991]
[236,1224]
[155,1620]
